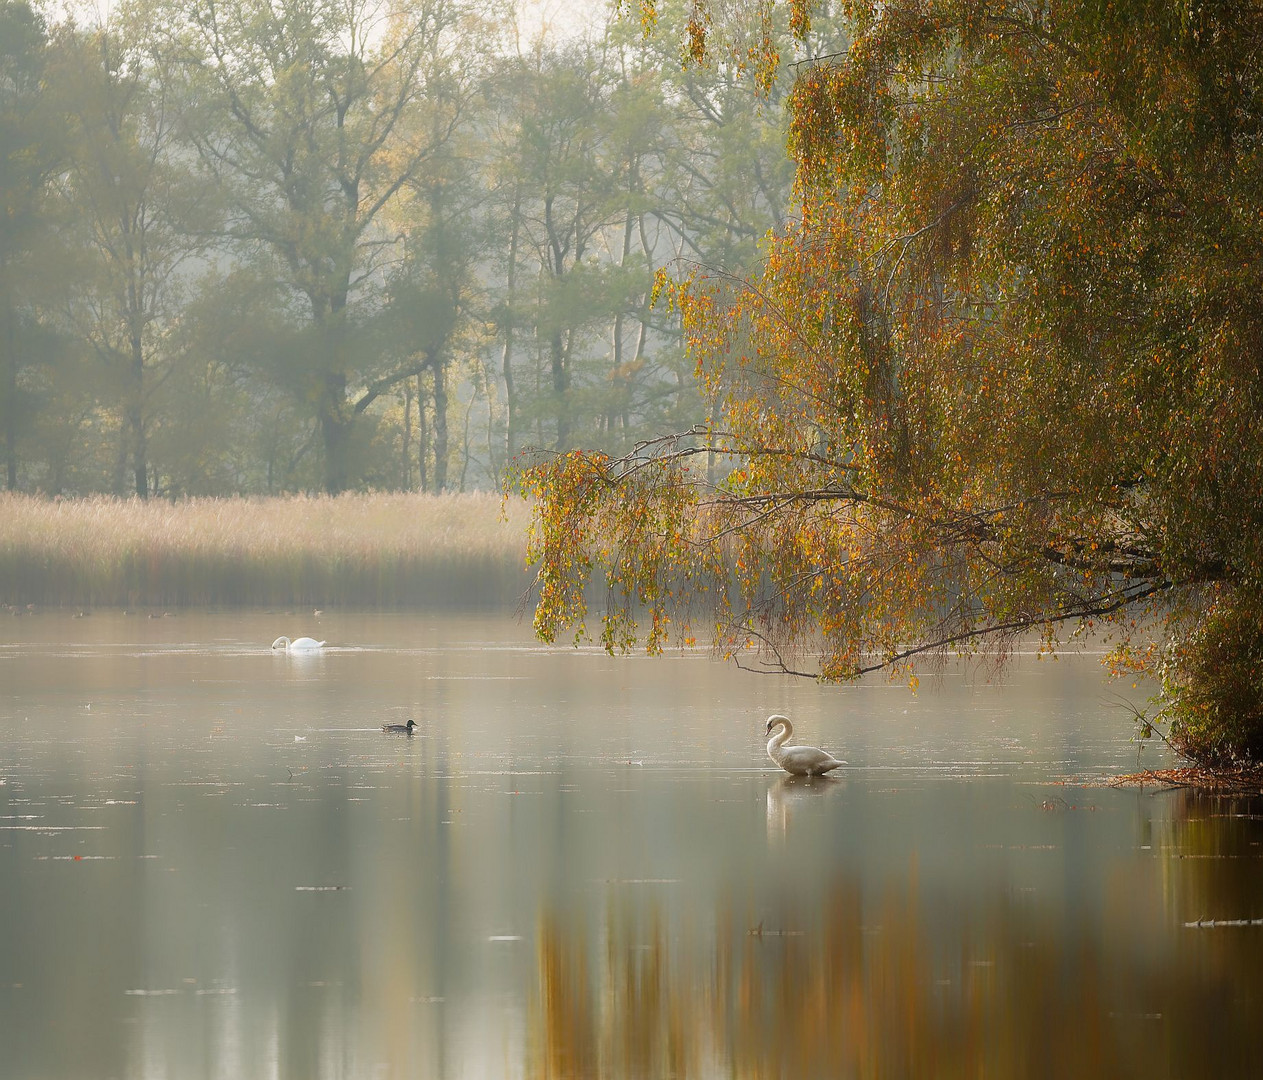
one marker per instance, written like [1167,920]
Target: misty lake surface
[214,864]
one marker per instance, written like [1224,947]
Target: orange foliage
[1001,374]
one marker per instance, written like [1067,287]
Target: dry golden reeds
[377,551]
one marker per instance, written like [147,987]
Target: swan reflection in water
[787,794]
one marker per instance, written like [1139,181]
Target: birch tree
[1000,376]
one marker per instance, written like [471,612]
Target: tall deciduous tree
[554,143]
[131,198]
[432,286]
[303,125]
[34,142]
[1002,374]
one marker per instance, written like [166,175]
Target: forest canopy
[305,245]
[998,375]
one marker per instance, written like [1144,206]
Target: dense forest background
[254,248]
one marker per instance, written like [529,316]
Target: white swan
[796,760]
[302,644]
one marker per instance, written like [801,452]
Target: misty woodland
[855,334]
[265,248]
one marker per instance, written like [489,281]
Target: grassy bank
[389,552]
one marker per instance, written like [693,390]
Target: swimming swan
[399,729]
[796,760]
[302,644]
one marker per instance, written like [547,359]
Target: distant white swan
[796,760]
[302,644]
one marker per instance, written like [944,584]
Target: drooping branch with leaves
[999,376]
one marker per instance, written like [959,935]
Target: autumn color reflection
[901,985]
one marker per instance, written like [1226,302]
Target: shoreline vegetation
[1213,779]
[370,551]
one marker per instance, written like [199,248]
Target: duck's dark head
[410,725]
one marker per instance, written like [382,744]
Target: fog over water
[215,864]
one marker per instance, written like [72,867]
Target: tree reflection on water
[894,982]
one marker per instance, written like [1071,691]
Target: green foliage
[1215,695]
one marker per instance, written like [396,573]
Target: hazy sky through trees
[560,19]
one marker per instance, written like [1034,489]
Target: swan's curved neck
[782,729]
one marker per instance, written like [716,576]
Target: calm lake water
[214,864]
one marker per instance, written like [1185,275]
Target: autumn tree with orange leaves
[1000,377]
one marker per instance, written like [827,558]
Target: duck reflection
[788,793]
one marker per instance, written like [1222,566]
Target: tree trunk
[561,386]
[616,408]
[506,360]
[335,431]
[11,402]
[439,365]
[464,459]
[136,418]
[122,454]
[423,440]
[335,413]
[406,457]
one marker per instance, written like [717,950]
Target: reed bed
[376,551]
